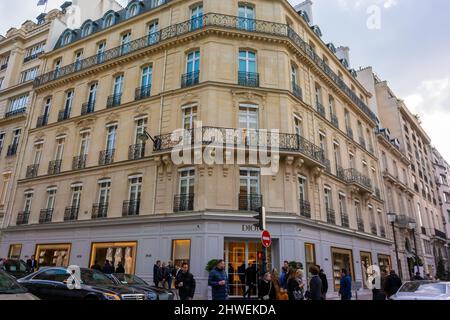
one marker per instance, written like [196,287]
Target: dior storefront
[197,238]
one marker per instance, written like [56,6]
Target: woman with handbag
[295,285]
[266,290]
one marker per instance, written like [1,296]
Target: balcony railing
[403,221]
[136,151]
[360,224]
[131,208]
[12,150]
[297,91]
[87,108]
[305,209]
[353,176]
[190,79]
[71,213]
[331,216]
[340,173]
[362,142]
[377,193]
[241,138]
[335,121]
[54,167]
[320,109]
[63,115]
[45,216]
[350,133]
[250,202]
[79,162]
[32,56]
[22,218]
[382,232]
[106,157]
[345,222]
[440,234]
[373,229]
[99,210]
[142,93]
[16,112]
[183,202]
[42,121]
[248,79]
[114,100]
[32,171]
[219,21]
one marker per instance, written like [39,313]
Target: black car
[153,293]
[53,284]
[16,268]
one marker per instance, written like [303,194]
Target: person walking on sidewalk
[345,290]
[250,280]
[267,288]
[323,278]
[315,284]
[392,284]
[185,283]
[295,285]
[218,281]
[157,273]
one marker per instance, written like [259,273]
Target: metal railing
[63,115]
[79,162]
[345,222]
[131,208]
[440,234]
[23,218]
[362,142]
[331,216]
[360,224]
[373,229]
[16,112]
[353,176]
[136,151]
[99,211]
[46,216]
[42,121]
[190,79]
[114,101]
[12,150]
[250,202]
[320,109]
[297,91]
[32,56]
[87,107]
[183,202]
[340,173]
[382,232]
[32,171]
[248,79]
[305,209]
[350,133]
[71,213]
[142,93]
[54,167]
[335,121]
[106,157]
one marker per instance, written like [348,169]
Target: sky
[407,42]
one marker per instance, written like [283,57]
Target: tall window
[146,78]
[111,137]
[109,20]
[16,137]
[249,182]
[133,10]
[246,17]
[343,210]
[134,192]
[193,62]
[59,148]
[76,196]
[248,117]
[189,117]
[5,188]
[351,161]
[302,189]
[47,106]
[328,198]
[37,154]
[118,85]
[87,30]
[104,192]
[298,126]
[197,17]
[186,182]
[51,198]
[247,61]
[337,156]
[323,142]
[28,202]
[84,143]
[125,43]
[318,96]
[153,36]
[69,102]
[2,140]
[141,127]
[101,52]
[78,58]
[348,124]
[92,94]
[331,106]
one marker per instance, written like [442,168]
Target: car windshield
[130,279]
[15,265]
[423,288]
[9,286]
[93,278]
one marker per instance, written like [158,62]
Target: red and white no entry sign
[266,239]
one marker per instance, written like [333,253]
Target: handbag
[298,294]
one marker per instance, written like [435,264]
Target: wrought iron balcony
[22,218]
[328,166]
[45,216]
[373,229]
[345,222]
[352,176]
[340,173]
[63,115]
[246,24]
[377,193]
[335,121]
[99,211]
[71,213]
[87,108]
[403,221]
[190,79]
[106,157]
[42,121]
[297,91]
[250,202]
[136,151]
[79,162]
[440,234]
[248,79]
[12,150]
[350,133]
[242,139]
[331,216]
[32,56]
[54,167]
[183,202]
[114,100]
[32,171]
[142,93]
[382,232]
[320,109]
[305,209]
[131,208]
[14,113]
[360,224]
[362,142]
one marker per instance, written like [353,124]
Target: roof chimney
[343,53]
[306,6]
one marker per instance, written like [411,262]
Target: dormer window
[87,30]
[67,38]
[132,10]
[109,20]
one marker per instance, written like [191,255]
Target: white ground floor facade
[197,238]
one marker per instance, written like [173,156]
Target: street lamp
[412,226]
[392,217]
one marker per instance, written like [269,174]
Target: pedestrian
[157,273]
[96,266]
[108,268]
[163,273]
[323,278]
[417,277]
[32,263]
[169,274]
[283,276]
[250,280]
[280,293]
[185,283]
[120,269]
[295,285]
[392,284]
[218,281]
[345,290]
[315,285]
[266,290]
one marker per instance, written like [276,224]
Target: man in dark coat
[324,279]
[32,263]
[392,284]
[250,280]
[315,284]
[157,273]
[96,266]
[266,290]
[108,268]
[218,281]
[345,290]
[185,283]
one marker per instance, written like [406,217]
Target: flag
[42,2]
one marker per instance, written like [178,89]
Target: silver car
[423,290]
[11,290]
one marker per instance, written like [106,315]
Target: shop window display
[116,252]
[15,251]
[384,263]
[310,257]
[366,262]
[54,255]
[181,252]
[342,259]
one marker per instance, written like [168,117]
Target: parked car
[16,268]
[423,290]
[153,293]
[10,289]
[52,284]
